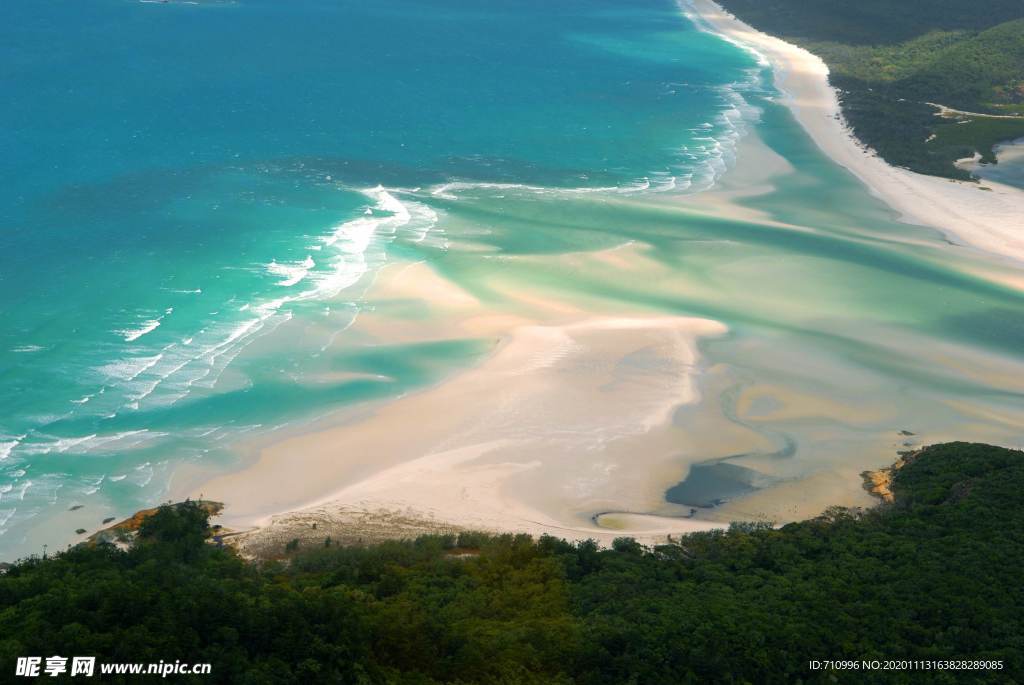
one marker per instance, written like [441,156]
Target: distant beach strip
[986,215]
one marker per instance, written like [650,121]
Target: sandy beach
[985,215]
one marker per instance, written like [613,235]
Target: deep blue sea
[178,179]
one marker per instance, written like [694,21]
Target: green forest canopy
[872,22]
[889,60]
[934,576]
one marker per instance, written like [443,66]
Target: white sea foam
[8,444]
[147,327]
[447,190]
[344,263]
[124,440]
[351,240]
[131,335]
[660,181]
[291,273]
[64,444]
[731,123]
[92,485]
[130,368]
[198,360]
[113,442]
[714,151]
[45,444]
[143,475]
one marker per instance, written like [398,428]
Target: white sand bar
[561,423]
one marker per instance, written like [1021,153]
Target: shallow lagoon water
[1009,168]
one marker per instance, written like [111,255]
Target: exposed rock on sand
[126,530]
[879,483]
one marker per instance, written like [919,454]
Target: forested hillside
[934,576]
[893,62]
[871,22]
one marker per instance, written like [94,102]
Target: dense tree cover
[934,576]
[980,134]
[889,60]
[871,22]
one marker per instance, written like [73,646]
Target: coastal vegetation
[920,82]
[934,575]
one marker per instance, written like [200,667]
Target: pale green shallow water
[248,224]
[847,328]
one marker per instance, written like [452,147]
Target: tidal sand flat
[481,285]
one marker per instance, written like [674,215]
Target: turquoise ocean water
[180,180]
